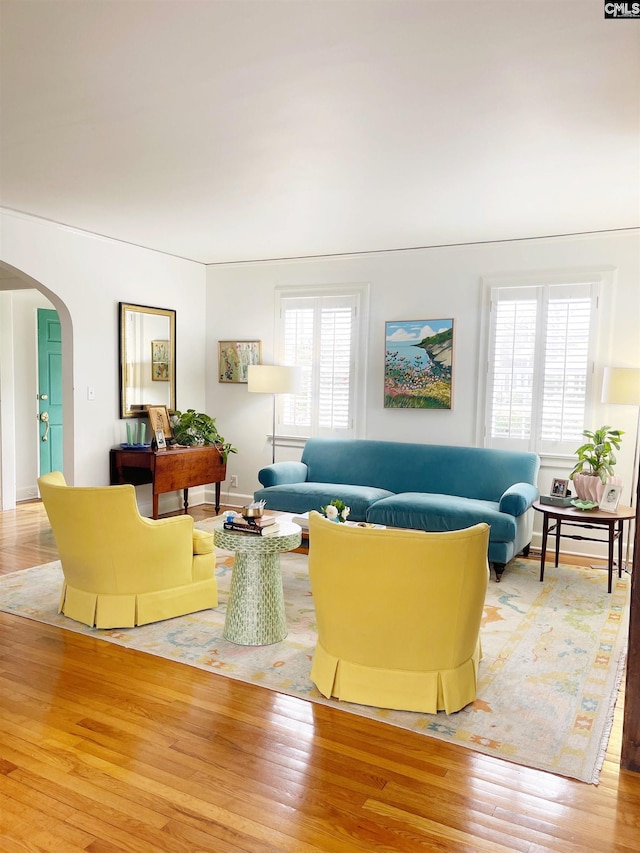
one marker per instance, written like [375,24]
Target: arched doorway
[20,294]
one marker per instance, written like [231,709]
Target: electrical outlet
[233,482]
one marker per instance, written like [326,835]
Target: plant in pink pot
[596,459]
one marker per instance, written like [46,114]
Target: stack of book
[265,525]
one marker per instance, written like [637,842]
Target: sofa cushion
[302,497]
[420,511]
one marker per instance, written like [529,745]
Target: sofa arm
[281,473]
[517,499]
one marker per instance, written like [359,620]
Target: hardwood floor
[103,749]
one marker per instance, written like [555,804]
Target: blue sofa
[418,486]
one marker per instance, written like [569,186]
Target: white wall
[417,284]
[85,277]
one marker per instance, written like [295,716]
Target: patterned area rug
[553,658]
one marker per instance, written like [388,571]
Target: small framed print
[611,498]
[159,420]
[234,359]
[160,361]
[559,488]
[161,440]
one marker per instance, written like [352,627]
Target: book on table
[251,529]
[302,520]
[261,521]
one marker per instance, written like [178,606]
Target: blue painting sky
[403,335]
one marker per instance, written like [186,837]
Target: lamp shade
[273,379]
[621,386]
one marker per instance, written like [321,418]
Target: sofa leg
[498,568]
[526,549]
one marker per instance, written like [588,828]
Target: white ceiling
[225,130]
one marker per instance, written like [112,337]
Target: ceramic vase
[589,487]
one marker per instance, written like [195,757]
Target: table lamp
[273,379]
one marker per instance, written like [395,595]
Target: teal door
[50,390]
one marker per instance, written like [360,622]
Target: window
[540,364]
[322,331]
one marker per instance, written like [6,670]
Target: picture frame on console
[234,359]
[559,488]
[611,497]
[159,420]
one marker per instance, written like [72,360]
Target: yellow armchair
[398,614]
[121,569]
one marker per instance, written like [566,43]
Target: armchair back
[119,567]
[398,614]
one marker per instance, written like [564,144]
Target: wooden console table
[168,470]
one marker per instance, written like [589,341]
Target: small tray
[126,446]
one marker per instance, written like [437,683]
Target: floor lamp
[621,387]
[273,379]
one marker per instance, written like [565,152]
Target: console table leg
[186,499]
[218,498]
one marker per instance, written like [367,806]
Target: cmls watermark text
[622,10]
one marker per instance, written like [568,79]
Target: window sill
[557,460]
[288,440]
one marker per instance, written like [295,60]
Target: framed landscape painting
[418,364]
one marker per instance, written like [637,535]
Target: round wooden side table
[554,517]
[255,610]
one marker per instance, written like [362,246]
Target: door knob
[43,396]
[44,417]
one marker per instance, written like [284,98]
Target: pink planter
[589,487]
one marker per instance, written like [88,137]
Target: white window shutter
[539,362]
[335,368]
[318,332]
[513,363]
[565,370]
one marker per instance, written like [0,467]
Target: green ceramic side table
[255,610]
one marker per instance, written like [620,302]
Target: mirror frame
[123,308]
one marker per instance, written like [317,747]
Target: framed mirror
[147,359]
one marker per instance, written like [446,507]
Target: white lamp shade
[621,385]
[273,379]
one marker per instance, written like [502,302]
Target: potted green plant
[196,428]
[596,459]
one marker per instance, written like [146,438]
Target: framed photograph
[161,440]
[160,361]
[559,488]
[611,498]
[418,364]
[159,420]
[234,358]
